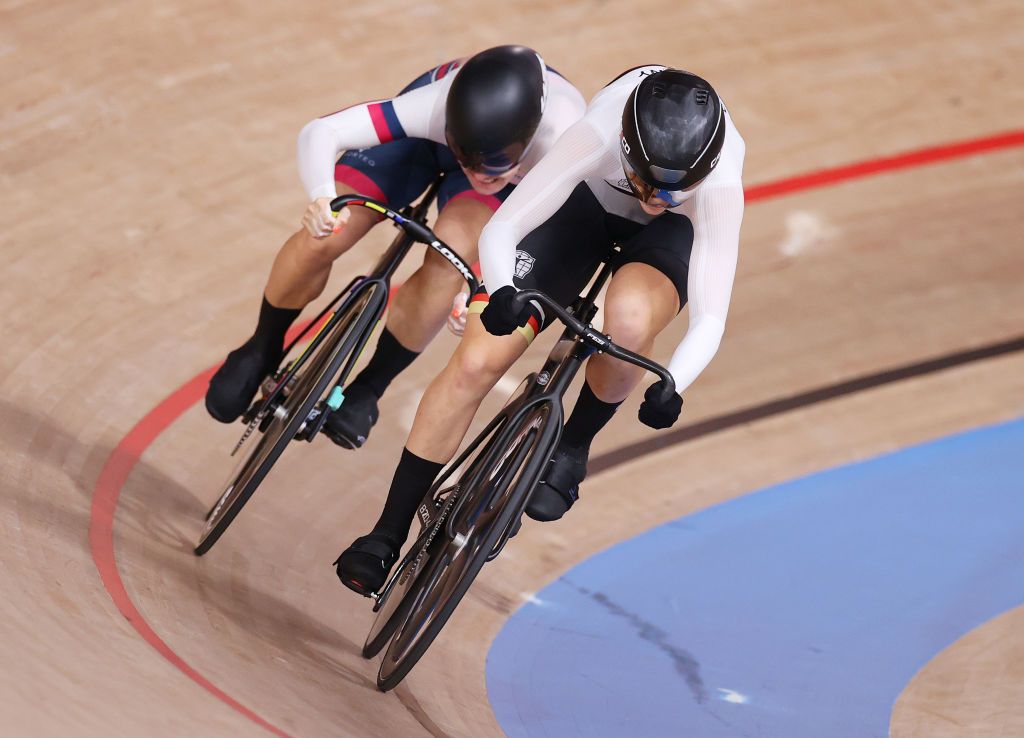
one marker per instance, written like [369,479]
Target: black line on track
[753,413]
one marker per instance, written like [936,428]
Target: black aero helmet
[673,129]
[494,107]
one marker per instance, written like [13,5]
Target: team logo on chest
[524,264]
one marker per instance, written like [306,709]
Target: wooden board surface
[147,178]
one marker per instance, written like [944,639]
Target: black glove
[659,414]
[498,317]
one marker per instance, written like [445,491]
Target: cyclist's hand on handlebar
[457,317]
[500,317]
[320,222]
[656,413]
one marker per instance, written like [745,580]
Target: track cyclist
[655,166]
[484,122]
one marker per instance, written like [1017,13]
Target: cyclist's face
[655,206]
[490,184]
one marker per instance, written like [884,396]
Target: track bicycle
[295,401]
[477,502]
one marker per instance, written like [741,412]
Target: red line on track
[920,157]
[126,455]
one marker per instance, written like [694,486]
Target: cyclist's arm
[409,115]
[577,155]
[716,214]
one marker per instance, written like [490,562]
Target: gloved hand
[498,317]
[659,414]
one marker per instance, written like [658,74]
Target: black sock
[389,360]
[588,417]
[413,478]
[273,324]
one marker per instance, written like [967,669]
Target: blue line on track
[800,611]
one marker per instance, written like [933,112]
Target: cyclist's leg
[297,276]
[443,416]
[451,400]
[420,307]
[640,303]
[404,177]
[303,265]
[553,258]
[559,258]
[395,172]
[644,295]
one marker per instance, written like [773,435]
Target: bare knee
[630,321]
[318,252]
[321,252]
[437,273]
[476,370]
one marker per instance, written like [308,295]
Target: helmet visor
[651,194]
[491,163]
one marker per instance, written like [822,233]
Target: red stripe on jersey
[380,124]
[359,182]
[480,297]
[534,323]
[489,200]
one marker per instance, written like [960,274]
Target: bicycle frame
[496,476]
[546,387]
[307,389]
[411,222]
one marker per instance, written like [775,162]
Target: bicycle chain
[267,388]
[248,432]
[437,525]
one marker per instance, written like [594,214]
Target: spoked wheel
[278,425]
[479,519]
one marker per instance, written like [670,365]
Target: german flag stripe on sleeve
[529,331]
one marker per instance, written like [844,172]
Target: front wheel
[393,604]
[498,493]
[344,333]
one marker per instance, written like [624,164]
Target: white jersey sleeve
[418,113]
[565,105]
[576,156]
[716,214]
[589,151]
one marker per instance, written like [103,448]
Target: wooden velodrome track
[147,177]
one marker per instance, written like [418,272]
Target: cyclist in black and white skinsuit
[483,122]
[679,246]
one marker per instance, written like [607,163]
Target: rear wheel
[479,519]
[279,425]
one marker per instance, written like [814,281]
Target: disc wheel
[315,376]
[480,518]
[393,604]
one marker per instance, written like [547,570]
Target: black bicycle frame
[411,221]
[547,387]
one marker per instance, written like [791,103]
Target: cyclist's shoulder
[624,83]
[436,78]
[448,68]
[604,112]
[562,92]
[729,171]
